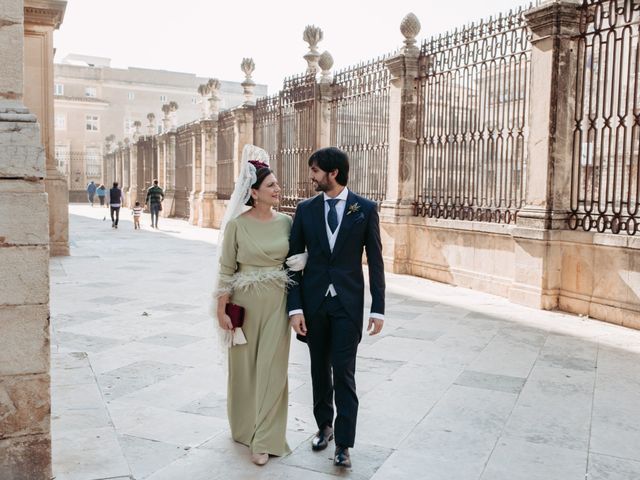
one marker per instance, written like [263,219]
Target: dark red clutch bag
[236,314]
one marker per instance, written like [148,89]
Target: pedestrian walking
[91,191]
[115,202]
[154,199]
[101,192]
[136,211]
[326,300]
[251,278]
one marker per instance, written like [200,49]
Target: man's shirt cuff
[379,316]
[296,312]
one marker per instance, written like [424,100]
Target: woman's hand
[296,263]
[224,321]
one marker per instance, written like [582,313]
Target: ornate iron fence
[472,110]
[297,139]
[184,169]
[605,179]
[225,179]
[266,128]
[360,125]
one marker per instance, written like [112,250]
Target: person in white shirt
[136,211]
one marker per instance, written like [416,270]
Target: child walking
[137,213]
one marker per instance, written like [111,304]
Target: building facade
[94,101]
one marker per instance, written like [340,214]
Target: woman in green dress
[252,274]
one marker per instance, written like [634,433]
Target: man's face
[321,180]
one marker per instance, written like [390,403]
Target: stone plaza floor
[459,386]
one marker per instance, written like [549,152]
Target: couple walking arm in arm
[324,303]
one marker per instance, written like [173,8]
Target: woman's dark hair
[261,174]
[329,159]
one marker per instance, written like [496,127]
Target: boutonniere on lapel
[353,208]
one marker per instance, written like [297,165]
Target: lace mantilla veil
[235,207]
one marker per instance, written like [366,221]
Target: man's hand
[298,324]
[375,325]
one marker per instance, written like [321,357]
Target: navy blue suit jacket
[360,229]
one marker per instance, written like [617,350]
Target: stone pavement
[460,385]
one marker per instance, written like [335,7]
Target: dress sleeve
[228,260]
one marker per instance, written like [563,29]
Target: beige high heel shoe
[260,459]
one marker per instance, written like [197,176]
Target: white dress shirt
[341,205]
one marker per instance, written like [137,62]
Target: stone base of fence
[206,208]
[591,274]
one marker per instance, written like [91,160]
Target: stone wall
[25,446]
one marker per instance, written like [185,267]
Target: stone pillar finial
[109,142]
[214,99]
[151,128]
[137,133]
[312,35]
[173,108]
[248,66]
[410,28]
[166,121]
[203,91]
[325,63]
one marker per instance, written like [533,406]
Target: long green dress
[251,269]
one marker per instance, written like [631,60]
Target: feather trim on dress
[249,279]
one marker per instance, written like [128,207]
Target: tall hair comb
[258,164]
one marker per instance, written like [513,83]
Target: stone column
[208,179]
[126,165]
[133,174]
[168,206]
[243,134]
[554,26]
[42,17]
[25,406]
[401,169]
[159,173]
[196,174]
[118,170]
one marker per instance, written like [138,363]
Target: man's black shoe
[342,457]
[322,439]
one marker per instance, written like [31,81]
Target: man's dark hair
[115,184]
[329,159]
[155,182]
[261,174]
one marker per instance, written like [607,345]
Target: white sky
[210,38]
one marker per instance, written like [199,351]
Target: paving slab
[460,385]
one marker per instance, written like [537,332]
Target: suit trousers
[333,337]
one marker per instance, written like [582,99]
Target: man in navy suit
[326,304]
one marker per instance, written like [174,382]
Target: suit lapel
[345,226]
[319,223]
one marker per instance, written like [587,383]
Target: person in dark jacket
[115,202]
[155,196]
[326,300]
[91,191]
